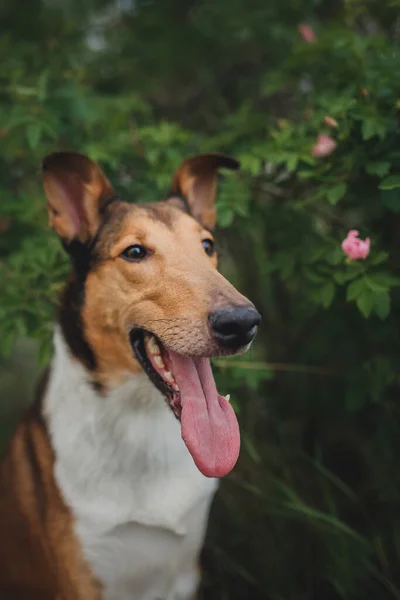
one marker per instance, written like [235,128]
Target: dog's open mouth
[154,360]
[209,426]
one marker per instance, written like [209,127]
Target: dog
[106,485]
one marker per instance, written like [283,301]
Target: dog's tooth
[228,397]
[175,387]
[158,361]
[168,376]
[154,347]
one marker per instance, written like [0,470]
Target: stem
[268,366]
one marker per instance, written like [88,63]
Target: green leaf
[7,341]
[335,193]
[287,267]
[365,302]
[378,168]
[368,129]
[313,276]
[375,283]
[391,199]
[355,288]
[342,277]
[384,280]
[42,84]
[225,216]
[327,294]
[382,304]
[390,183]
[292,163]
[335,256]
[379,258]
[373,127]
[33,134]
[251,164]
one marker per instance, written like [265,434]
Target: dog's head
[146,294]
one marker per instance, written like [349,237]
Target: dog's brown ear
[77,192]
[196,181]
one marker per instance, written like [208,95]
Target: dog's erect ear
[77,192]
[196,181]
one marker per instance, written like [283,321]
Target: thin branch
[267,366]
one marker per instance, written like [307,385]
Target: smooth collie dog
[106,485]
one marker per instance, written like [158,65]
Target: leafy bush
[312,509]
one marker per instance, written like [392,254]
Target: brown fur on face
[171,292]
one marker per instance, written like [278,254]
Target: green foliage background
[312,509]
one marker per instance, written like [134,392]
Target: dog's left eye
[134,253]
[209,247]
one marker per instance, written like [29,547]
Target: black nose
[236,326]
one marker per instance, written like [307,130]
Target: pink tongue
[209,426]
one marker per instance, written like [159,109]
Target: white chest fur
[139,502]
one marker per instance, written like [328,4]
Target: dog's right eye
[134,253]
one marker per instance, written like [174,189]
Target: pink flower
[307,33]
[354,247]
[330,121]
[325,145]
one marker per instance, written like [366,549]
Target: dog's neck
[117,454]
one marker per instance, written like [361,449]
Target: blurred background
[306,94]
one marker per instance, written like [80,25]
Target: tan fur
[160,294]
[196,180]
[86,183]
[40,557]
